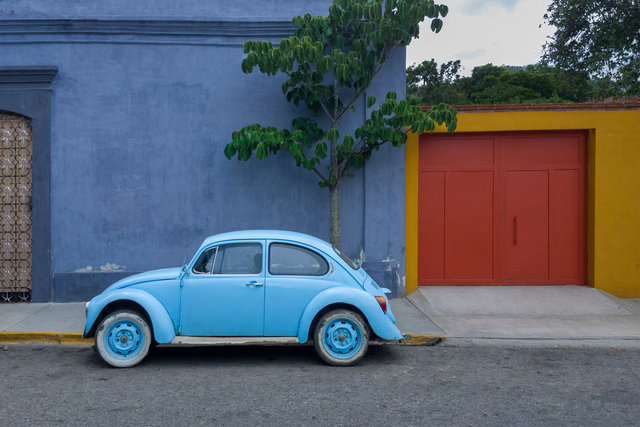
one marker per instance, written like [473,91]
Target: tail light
[383,303]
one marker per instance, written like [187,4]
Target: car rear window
[287,259]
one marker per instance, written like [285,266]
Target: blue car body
[261,303]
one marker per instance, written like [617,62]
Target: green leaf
[230,151]
[357,161]
[370,101]
[333,135]
[432,11]
[347,142]
[321,149]
[436,25]
[261,152]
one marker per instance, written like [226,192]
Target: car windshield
[346,259]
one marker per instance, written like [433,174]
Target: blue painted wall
[142,107]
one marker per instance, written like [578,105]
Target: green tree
[329,64]
[429,84]
[489,84]
[600,38]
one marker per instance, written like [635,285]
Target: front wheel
[341,338]
[123,338]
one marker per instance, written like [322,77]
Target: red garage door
[502,209]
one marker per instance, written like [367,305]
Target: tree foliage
[489,84]
[329,64]
[433,85]
[600,38]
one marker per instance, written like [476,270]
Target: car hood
[146,277]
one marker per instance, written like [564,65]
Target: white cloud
[502,32]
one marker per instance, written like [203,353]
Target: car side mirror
[185,272]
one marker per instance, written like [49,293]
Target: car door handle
[254,284]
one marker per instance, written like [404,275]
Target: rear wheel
[341,337]
[123,338]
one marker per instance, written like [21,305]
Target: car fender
[163,329]
[380,323]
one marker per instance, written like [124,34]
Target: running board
[186,340]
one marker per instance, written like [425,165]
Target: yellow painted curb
[44,337]
[412,340]
[422,339]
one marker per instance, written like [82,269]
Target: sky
[478,32]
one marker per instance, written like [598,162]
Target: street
[394,385]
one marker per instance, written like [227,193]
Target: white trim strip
[187,340]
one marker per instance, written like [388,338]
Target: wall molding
[33,75]
[138,30]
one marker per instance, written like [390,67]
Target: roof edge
[483,108]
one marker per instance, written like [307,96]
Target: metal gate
[505,208]
[16,148]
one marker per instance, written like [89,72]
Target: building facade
[115,116]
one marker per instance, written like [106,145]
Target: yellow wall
[613,188]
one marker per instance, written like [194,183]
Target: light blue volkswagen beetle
[244,287]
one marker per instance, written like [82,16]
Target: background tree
[489,84]
[432,84]
[598,37]
[330,62]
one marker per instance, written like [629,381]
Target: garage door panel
[542,150]
[566,231]
[431,226]
[527,239]
[456,152]
[469,236]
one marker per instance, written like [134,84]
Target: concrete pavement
[26,317]
[521,315]
[530,315]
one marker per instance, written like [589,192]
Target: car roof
[270,234]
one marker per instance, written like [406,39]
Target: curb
[44,337]
[422,339]
[75,338]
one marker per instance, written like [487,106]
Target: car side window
[204,265]
[287,259]
[238,258]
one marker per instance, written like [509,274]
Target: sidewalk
[60,323]
[512,315]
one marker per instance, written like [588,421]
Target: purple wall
[141,108]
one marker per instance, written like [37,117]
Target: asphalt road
[66,385]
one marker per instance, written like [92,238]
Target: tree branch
[322,177]
[311,88]
[363,90]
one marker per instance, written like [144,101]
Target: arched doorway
[16,151]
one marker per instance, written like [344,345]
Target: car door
[223,292]
[295,275]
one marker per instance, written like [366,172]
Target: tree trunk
[334,215]
[334,185]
